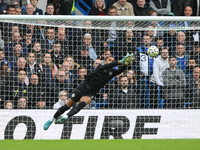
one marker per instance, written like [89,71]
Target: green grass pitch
[135,144]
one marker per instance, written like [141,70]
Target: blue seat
[82,7]
[186,105]
[23,10]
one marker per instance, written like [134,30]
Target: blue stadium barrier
[159,96]
[160,101]
[147,92]
[82,7]
[101,104]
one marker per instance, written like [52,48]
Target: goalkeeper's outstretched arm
[125,61]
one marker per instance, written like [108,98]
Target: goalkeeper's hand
[124,59]
[129,59]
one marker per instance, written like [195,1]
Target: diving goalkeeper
[87,90]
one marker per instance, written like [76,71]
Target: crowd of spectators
[41,65]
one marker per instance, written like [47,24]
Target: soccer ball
[153,51]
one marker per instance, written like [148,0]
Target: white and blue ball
[153,51]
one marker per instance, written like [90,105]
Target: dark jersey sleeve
[111,65]
[120,70]
[108,66]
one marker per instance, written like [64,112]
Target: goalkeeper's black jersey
[99,77]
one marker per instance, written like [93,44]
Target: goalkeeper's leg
[59,112]
[64,108]
[83,102]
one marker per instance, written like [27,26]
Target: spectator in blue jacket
[181,56]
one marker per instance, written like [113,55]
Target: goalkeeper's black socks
[60,111]
[76,109]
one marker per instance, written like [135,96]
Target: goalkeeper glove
[123,60]
[129,59]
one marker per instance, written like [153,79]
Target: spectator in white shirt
[62,100]
[159,65]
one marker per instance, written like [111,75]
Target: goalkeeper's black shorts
[77,94]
